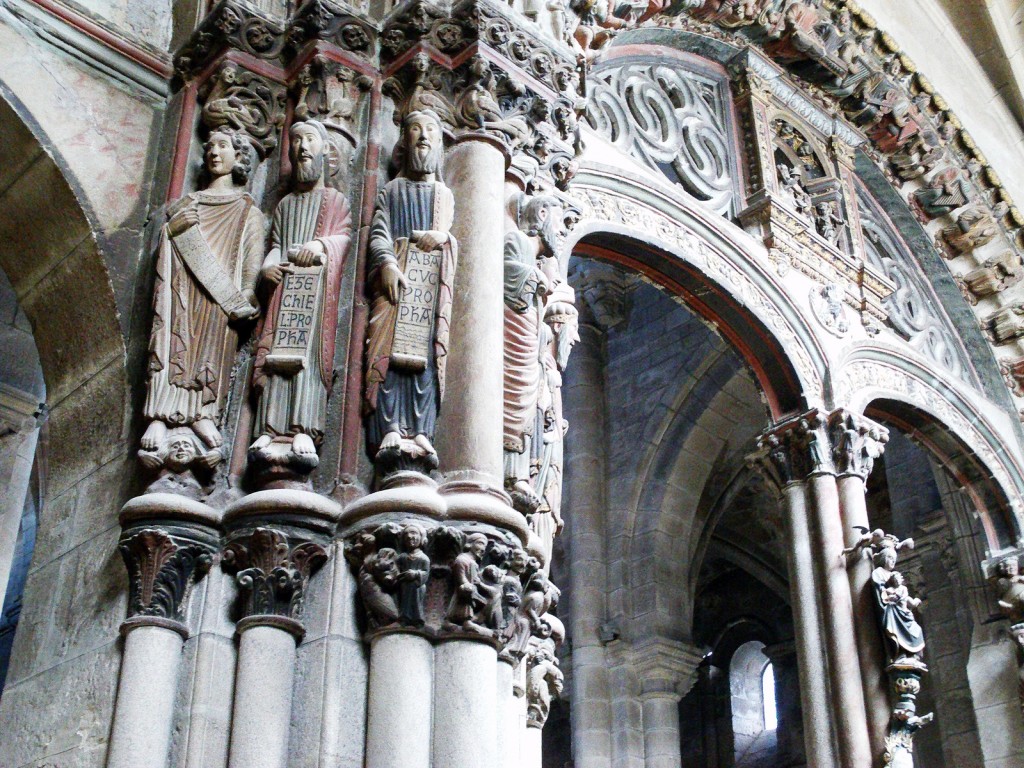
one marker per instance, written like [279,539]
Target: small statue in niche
[473,600]
[413,574]
[828,222]
[294,367]
[411,273]
[206,273]
[976,226]
[540,234]
[790,182]
[1011,589]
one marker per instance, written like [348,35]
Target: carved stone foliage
[673,119]
[470,22]
[162,568]
[325,20]
[240,100]
[272,571]
[450,581]
[912,306]
[231,24]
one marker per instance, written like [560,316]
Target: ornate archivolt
[608,204]
[884,371]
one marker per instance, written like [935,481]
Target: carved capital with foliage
[272,570]
[163,565]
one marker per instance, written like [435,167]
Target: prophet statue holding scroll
[411,274]
[294,366]
[206,273]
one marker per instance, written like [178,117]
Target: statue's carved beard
[550,236]
[309,171]
[424,160]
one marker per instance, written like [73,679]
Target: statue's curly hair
[243,152]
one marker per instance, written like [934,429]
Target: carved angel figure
[206,273]
[946,191]
[1007,324]
[975,227]
[994,275]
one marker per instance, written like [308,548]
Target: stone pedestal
[167,543]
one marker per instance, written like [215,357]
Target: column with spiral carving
[168,542]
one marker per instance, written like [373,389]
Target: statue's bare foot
[392,442]
[261,442]
[424,445]
[208,433]
[302,445]
[154,435]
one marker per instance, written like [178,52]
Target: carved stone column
[667,670]
[276,540]
[789,732]
[836,605]
[470,446]
[784,461]
[857,442]
[168,542]
[585,494]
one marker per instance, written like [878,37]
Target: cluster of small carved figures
[902,636]
[454,582]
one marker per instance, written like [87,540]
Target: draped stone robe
[290,404]
[192,347]
[400,400]
[523,370]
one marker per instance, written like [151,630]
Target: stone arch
[49,252]
[969,439]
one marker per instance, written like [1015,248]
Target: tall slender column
[506,752]
[470,442]
[836,609]
[784,461]
[585,484]
[168,542]
[399,720]
[858,442]
[276,541]
[465,717]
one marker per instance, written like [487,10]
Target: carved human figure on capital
[206,273]
[411,277]
[1011,589]
[294,367]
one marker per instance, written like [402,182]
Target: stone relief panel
[672,118]
[913,309]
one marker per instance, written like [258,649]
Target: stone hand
[182,221]
[393,281]
[244,313]
[429,239]
[275,273]
[309,254]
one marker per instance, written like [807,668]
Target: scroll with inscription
[417,305]
[296,320]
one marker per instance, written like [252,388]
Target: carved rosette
[272,571]
[163,565]
[445,582]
